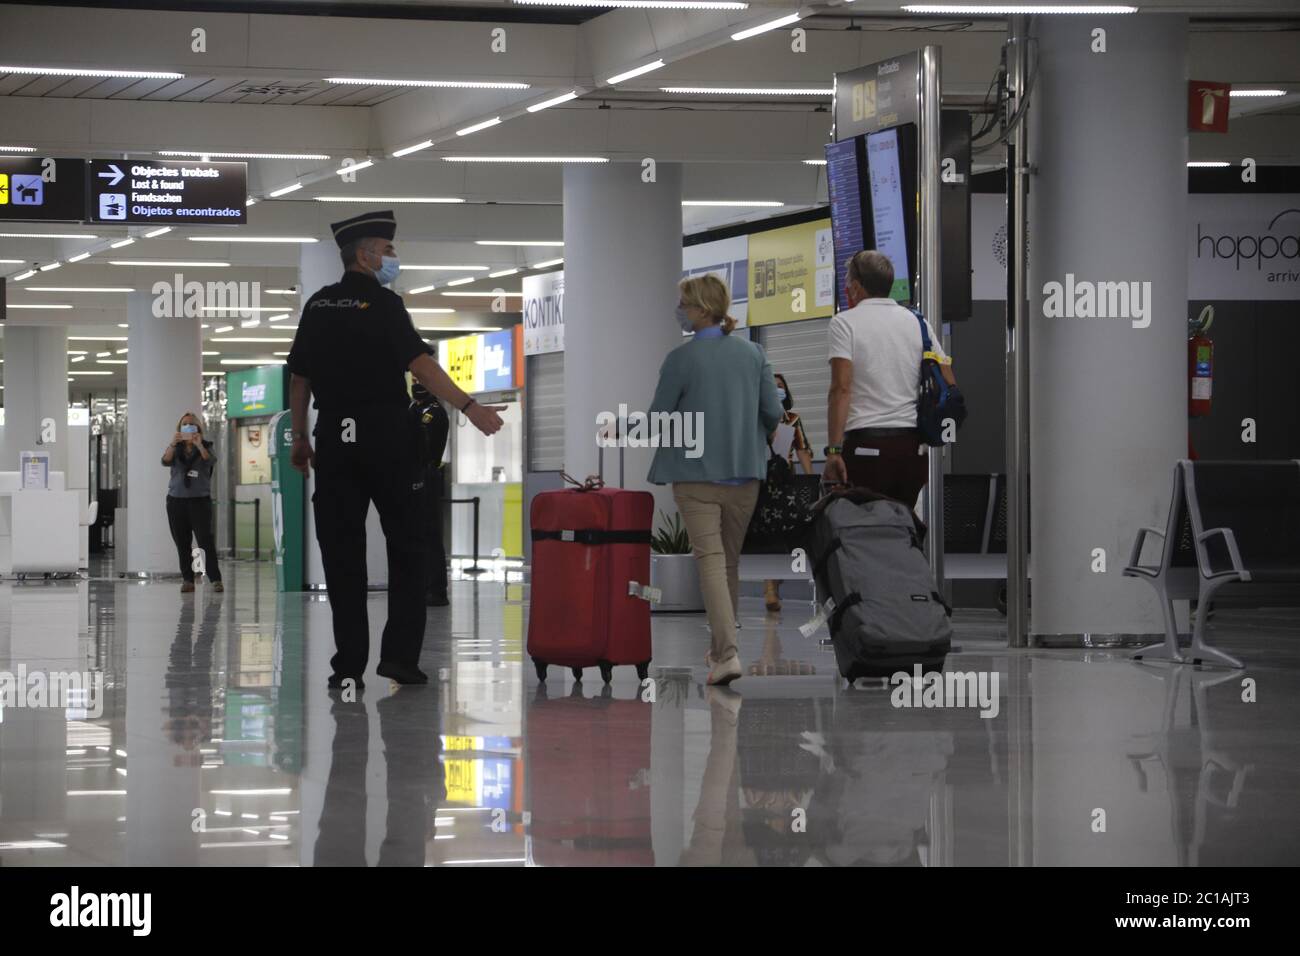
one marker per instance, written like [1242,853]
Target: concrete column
[622,262]
[1108,405]
[164,380]
[36,390]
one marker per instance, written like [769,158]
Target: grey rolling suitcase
[869,563]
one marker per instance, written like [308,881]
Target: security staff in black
[354,344]
[433,426]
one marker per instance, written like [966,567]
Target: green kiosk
[287,506]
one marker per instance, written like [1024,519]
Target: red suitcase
[591,574]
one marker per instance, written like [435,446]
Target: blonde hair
[709,294]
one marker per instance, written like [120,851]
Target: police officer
[354,344]
[433,426]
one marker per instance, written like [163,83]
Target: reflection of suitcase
[587,763]
[591,550]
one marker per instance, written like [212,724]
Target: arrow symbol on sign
[114,177]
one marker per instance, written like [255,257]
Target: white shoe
[724,673]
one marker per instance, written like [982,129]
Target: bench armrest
[1234,555]
[1136,556]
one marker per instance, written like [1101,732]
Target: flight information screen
[844,180]
[889,207]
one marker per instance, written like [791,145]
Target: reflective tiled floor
[215,733]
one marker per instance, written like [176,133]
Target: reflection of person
[189,682]
[431,420]
[875,356]
[727,381]
[409,727]
[798,448]
[189,498]
[771,663]
[354,344]
[717,837]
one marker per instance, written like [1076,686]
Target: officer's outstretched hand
[485,417]
[301,455]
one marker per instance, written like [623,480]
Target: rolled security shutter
[545,404]
[798,350]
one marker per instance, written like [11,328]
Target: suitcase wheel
[577,673]
[643,670]
[541,669]
[606,671]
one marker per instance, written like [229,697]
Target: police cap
[378,225]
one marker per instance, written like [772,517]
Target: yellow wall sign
[463,364]
[791,274]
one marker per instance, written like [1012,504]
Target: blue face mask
[684,320]
[780,393]
[388,269]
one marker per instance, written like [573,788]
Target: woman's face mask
[780,393]
[684,320]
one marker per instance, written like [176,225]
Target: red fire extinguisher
[1200,364]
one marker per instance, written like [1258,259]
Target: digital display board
[175,193]
[255,391]
[844,169]
[498,352]
[42,190]
[889,204]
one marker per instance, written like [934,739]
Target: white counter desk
[39,530]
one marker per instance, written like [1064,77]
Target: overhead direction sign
[167,192]
[42,190]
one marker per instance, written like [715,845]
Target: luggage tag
[810,627]
[645,592]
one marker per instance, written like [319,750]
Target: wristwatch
[833,450]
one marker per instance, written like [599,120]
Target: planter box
[678,578]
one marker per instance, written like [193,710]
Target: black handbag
[784,509]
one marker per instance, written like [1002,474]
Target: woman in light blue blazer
[720,394]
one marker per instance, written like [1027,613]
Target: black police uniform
[354,342]
[430,418]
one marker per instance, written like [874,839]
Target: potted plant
[672,567]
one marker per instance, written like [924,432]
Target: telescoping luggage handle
[597,536]
[597,481]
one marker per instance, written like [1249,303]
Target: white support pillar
[1108,392]
[164,380]
[622,263]
[36,394]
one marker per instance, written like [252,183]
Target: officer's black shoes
[336,681]
[432,599]
[403,675]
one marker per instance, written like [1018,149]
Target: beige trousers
[716,517]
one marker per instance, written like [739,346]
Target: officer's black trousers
[378,464]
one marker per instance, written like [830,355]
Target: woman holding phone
[189,498]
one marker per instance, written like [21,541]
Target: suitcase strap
[594,536]
[590,483]
[838,617]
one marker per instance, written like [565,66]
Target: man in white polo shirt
[875,356]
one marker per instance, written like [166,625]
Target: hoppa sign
[1239,247]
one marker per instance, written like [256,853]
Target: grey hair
[873,271]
